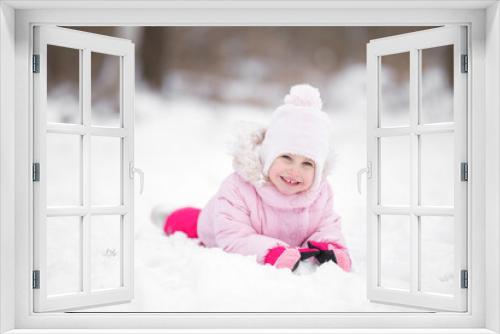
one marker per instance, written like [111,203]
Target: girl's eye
[308,163]
[286,157]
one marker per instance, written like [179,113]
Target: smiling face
[291,173]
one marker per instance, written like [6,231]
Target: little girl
[277,204]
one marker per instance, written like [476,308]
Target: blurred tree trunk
[153,55]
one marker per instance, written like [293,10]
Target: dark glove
[306,253]
[331,251]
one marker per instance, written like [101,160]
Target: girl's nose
[294,172]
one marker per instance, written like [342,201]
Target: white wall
[492,214]
[7,159]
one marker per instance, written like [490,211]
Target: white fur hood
[245,146]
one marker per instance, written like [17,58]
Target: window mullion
[81,211]
[125,174]
[86,109]
[79,129]
[414,170]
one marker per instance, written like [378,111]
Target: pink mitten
[283,257]
[332,251]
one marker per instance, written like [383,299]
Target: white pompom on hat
[299,126]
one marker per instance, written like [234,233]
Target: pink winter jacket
[248,215]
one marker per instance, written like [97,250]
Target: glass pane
[437,170]
[105,90]
[437,85]
[106,170]
[437,254]
[395,251]
[395,90]
[63,169]
[106,252]
[63,255]
[63,85]
[395,170]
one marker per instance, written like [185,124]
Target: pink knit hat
[298,127]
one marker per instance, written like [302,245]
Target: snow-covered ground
[180,144]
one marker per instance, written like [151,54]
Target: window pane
[395,251]
[437,236]
[63,85]
[395,90]
[63,169]
[395,170]
[105,90]
[437,85]
[437,170]
[106,252]
[63,255]
[106,170]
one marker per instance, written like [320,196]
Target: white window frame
[16,20]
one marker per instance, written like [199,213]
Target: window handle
[368,171]
[139,171]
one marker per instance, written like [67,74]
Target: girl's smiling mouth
[289,181]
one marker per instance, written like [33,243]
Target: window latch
[368,171]
[133,170]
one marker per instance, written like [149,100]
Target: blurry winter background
[193,87]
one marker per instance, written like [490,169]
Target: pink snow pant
[184,220]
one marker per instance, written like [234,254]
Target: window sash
[85,43]
[413,43]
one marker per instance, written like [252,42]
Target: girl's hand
[283,257]
[332,251]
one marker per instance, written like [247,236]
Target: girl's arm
[233,229]
[328,236]
[329,228]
